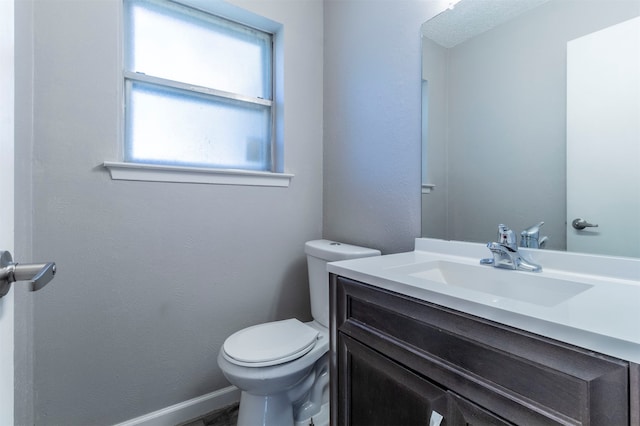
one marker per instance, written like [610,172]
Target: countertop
[603,318]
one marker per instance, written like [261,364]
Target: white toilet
[282,367]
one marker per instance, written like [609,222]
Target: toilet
[282,367]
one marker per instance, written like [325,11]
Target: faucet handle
[532,231]
[507,237]
[530,237]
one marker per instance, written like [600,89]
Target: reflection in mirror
[502,90]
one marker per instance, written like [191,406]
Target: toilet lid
[270,343]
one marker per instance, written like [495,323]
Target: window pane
[174,127]
[177,43]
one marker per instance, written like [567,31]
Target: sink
[522,286]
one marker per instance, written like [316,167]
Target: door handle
[38,273]
[580,224]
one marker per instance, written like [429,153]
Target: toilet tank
[319,252]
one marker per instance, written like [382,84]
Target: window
[198,89]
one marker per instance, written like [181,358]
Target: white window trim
[143,172]
[192,88]
[178,174]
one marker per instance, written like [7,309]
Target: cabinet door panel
[377,391]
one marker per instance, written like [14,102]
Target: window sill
[179,174]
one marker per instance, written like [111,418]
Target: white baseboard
[187,410]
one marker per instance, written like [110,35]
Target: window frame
[131,170]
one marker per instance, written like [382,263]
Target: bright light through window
[198,89]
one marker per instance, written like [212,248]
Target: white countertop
[604,318]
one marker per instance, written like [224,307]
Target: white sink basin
[527,287]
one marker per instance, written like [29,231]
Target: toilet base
[265,410]
[320,419]
[310,396]
[275,410]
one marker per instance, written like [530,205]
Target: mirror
[497,119]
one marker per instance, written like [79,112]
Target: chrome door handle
[580,224]
[38,273]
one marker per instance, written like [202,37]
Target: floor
[227,416]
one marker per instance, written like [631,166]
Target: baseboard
[187,410]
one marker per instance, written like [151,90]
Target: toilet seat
[270,344]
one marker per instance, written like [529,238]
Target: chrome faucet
[505,253]
[530,237]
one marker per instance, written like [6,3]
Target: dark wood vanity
[398,360]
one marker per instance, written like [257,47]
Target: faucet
[506,255]
[530,237]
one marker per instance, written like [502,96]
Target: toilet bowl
[271,392]
[282,367]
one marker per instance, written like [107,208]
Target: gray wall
[152,277]
[506,151]
[435,204]
[372,121]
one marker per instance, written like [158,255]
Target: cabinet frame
[458,351]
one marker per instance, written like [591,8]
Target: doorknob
[580,224]
[39,273]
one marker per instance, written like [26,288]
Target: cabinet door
[376,391]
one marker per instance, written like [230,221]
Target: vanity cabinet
[397,360]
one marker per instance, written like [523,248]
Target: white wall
[23,207]
[372,121]
[152,277]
